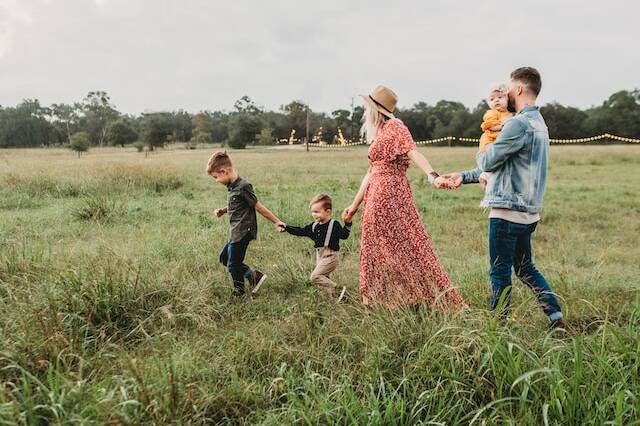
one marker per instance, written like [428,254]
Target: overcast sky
[154,55]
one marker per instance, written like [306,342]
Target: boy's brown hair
[324,199]
[219,160]
[530,77]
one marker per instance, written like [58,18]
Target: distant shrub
[99,209]
[79,142]
[265,137]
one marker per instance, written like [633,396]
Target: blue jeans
[510,247]
[232,256]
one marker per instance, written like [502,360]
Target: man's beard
[511,104]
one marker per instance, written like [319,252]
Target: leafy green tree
[246,104]
[277,122]
[474,120]
[296,116]
[342,120]
[417,119]
[66,118]
[30,124]
[328,125]
[244,124]
[98,112]
[79,142]
[244,127]
[562,121]
[219,126]
[182,126]
[448,118]
[27,125]
[620,115]
[121,132]
[156,129]
[202,128]
[356,120]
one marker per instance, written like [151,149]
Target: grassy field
[114,310]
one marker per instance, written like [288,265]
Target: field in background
[113,308]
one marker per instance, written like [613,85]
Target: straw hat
[383,99]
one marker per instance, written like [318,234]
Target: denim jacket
[519,159]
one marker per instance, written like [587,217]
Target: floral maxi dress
[398,266]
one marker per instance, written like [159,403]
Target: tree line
[95,121]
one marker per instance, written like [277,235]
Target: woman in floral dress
[398,266]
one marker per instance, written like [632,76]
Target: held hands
[449,181]
[442,182]
[348,213]
[280,226]
[219,212]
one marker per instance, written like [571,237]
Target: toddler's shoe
[256,280]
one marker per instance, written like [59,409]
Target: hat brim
[377,107]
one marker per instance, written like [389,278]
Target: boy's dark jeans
[232,256]
[510,247]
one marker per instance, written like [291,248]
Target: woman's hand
[454,178]
[348,213]
[442,182]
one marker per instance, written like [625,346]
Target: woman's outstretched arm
[424,165]
[350,211]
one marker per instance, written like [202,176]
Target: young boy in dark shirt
[326,234]
[242,206]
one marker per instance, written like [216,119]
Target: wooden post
[351,120]
[307,128]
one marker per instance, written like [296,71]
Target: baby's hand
[496,128]
[483,182]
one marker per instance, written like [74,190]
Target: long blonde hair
[372,121]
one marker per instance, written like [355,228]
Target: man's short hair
[530,77]
[219,160]
[324,199]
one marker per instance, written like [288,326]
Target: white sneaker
[259,280]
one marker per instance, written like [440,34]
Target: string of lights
[604,136]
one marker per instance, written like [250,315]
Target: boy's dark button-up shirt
[242,210]
[319,234]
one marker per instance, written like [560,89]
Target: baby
[492,122]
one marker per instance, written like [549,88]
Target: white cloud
[12,13]
[205,54]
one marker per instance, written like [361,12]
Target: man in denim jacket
[517,161]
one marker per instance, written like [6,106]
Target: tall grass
[124,317]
